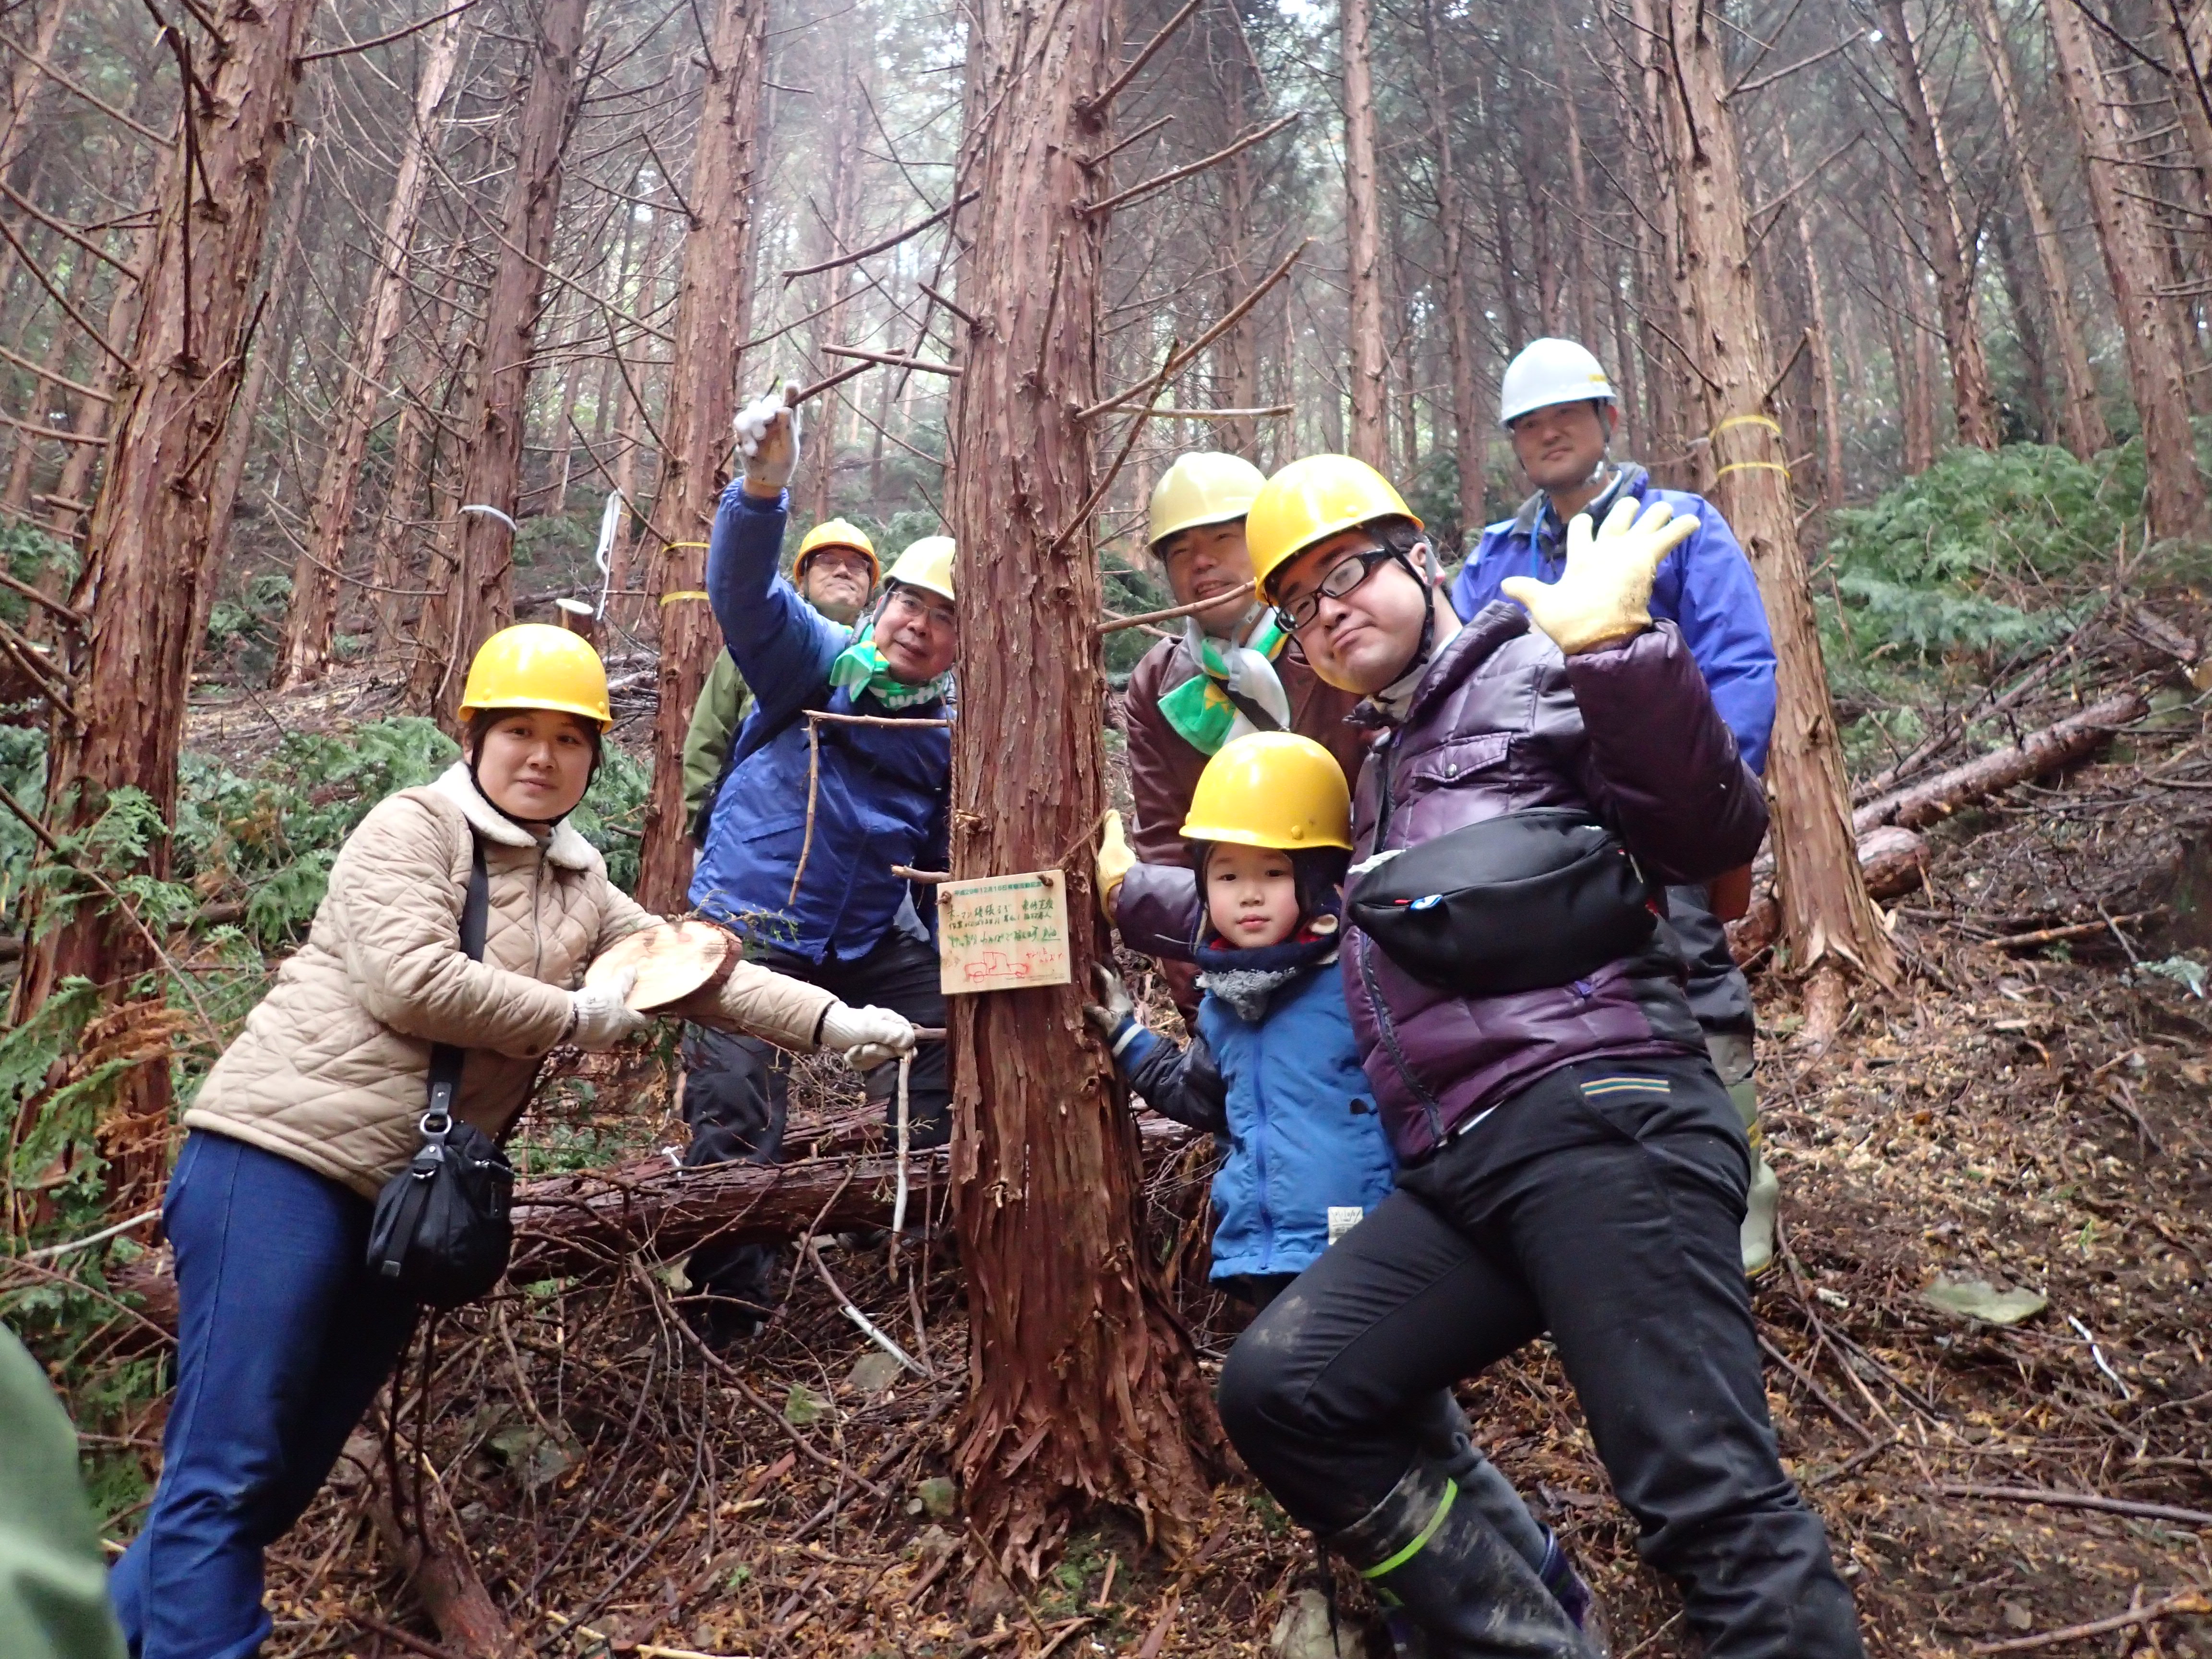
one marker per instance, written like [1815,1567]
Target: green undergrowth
[252,849]
[1957,579]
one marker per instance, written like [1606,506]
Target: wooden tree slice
[674,959]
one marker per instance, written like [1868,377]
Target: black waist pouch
[1515,903]
[441,1231]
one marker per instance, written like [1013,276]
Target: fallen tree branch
[2052,935]
[452,1593]
[2047,751]
[574,1224]
[2187,1601]
[2076,1500]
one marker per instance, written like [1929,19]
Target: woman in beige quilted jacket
[283,1335]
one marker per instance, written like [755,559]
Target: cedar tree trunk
[1363,220]
[712,305]
[149,555]
[1971,394]
[1084,1386]
[471,573]
[311,617]
[2158,368]
[1829,925]
[2081,413]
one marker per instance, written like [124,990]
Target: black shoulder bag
[441,1231]
[1518,903]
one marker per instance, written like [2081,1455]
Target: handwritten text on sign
[1003,932]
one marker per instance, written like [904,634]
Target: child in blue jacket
[1273,1070]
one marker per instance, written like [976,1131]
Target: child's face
[1251,896]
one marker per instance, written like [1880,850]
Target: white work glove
[868,1037]
[599,1016]
[767,437]
[1604,594]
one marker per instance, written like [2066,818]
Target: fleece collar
[567,848]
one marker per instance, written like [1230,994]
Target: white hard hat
[1550,371]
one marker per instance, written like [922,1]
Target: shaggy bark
[311,616]
[2158,368]
[2081,414]
[1829,926]
[712,317]
[1370,432]
[1083,1387]
[472,574]
[150,556]
[1972,394]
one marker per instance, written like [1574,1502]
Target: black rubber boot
[1472,1596]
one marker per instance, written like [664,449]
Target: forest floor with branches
[2024,1114]
[2028,1122]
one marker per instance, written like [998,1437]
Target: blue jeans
[282,1340]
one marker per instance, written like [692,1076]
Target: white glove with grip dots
[767,431]
[868,1037]
[599,1016]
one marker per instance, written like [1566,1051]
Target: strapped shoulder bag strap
[442,1232]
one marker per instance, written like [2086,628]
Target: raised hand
[1604,594]
[767,437]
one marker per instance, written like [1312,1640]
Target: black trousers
[736,1097]
[1601,1203]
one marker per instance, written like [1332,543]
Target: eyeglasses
[1342,577]
[937,615]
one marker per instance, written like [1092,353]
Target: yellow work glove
[1115,861]
[1604,594]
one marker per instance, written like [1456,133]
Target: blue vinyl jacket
[1290,1099]
[882,795]
[1705,588]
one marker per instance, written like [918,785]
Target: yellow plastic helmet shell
[836,532]
[1272,789]
[532,666]
[1202,488]
[925,563]
[1309,500]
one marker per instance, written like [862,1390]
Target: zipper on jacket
[1387,756]
[537,917]
[1259,1151]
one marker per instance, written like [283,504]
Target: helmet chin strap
[1427,580]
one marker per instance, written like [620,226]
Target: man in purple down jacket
[1569,1160]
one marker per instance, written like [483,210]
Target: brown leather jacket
[1163,769]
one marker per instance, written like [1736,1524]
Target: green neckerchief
[1199,709]
[861,670]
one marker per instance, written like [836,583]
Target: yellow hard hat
[1205,487]
[531,666]
[1272,789]
[925,563]
[1309,500]
[835,532]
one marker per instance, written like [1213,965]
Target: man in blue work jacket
[809,829]
[1558,407]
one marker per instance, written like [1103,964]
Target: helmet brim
[600,717]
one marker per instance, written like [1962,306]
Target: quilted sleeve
[397,913]
[762,1003]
